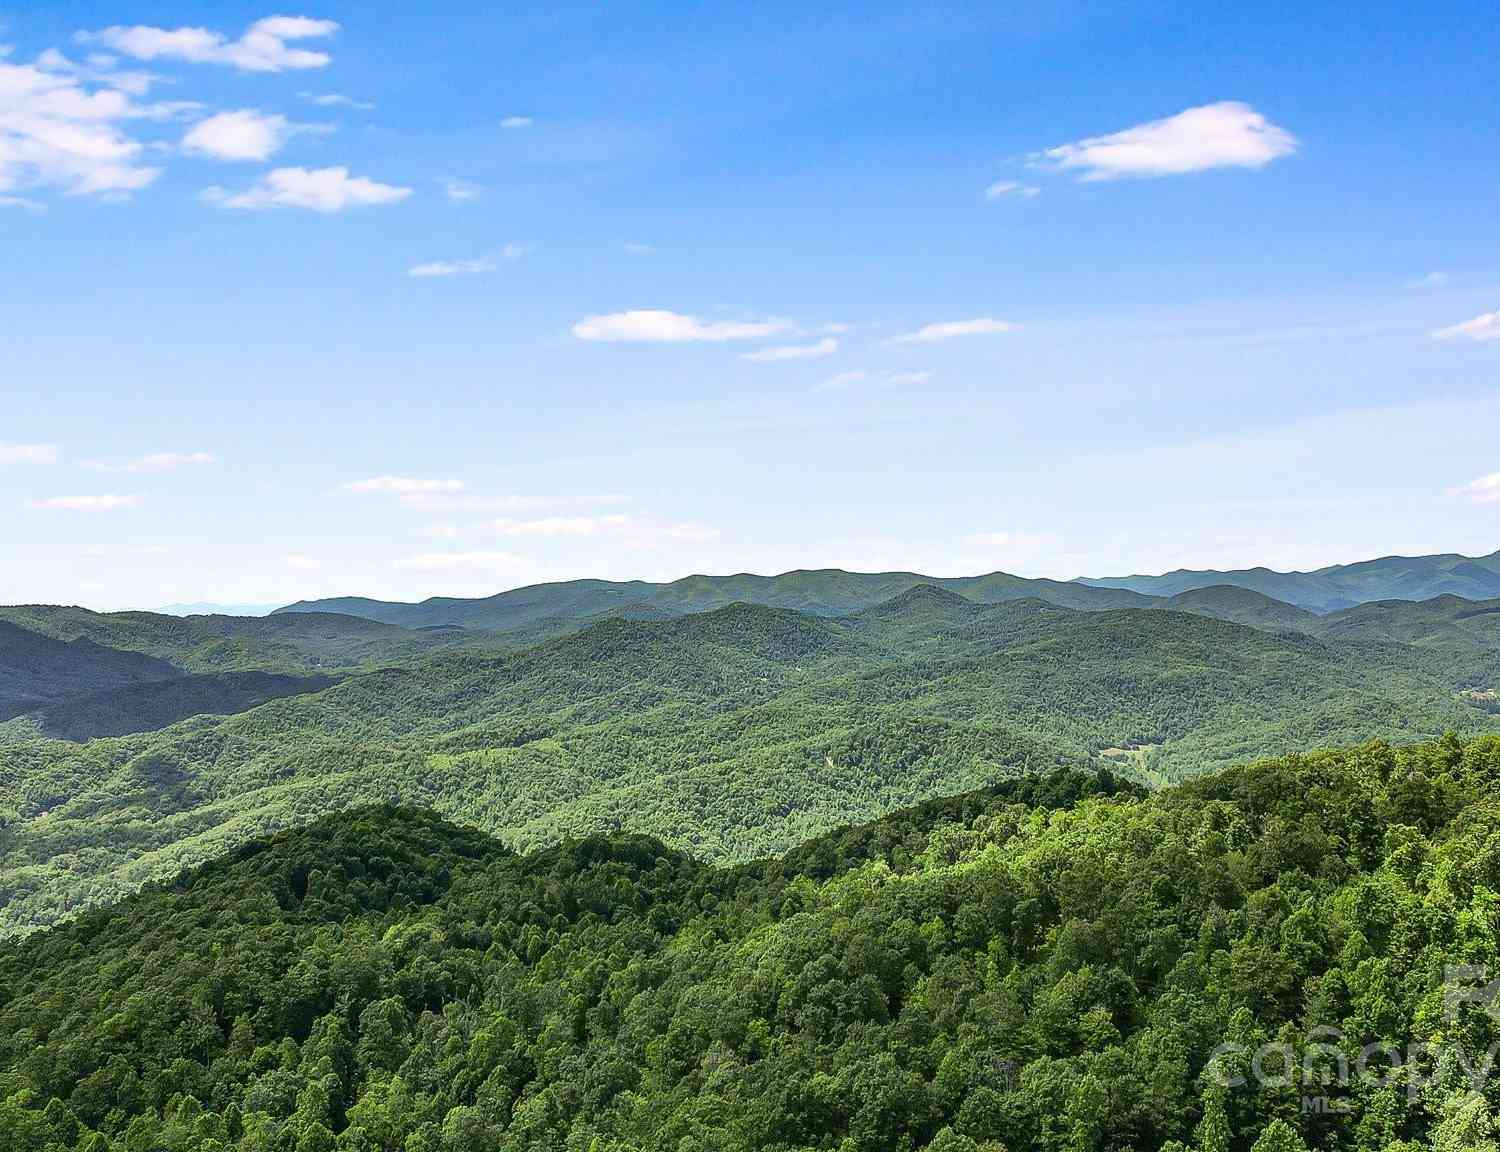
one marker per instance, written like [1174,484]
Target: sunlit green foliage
[1049,964]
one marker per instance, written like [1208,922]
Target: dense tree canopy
[1056,963]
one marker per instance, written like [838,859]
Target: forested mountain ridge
[835,592]
[1339,585]
[732,734]
[1052,964]
[826,592]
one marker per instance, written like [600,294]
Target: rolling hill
[730,734]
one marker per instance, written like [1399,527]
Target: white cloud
[475,267]
[825,347]
[561,526]
[909,377]
[326,190]
[403,485]
[336,100]
[1223,135]
[264,46]
[1482,329]
[301,562]
[155,462]
[109,502]
[460,190]
[634,249]
[245,134]
[61,130]
[1011,190]
[1485,490]
[949,329]
[654,325]
[517,122]
[440,268]
[11,453]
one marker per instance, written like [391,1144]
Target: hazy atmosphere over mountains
[749,577]
[969,316]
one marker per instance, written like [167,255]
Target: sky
[410,300]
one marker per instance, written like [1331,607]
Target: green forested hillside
[157,704]
[37,670]
[1243,606]
[732,735]
[1051,964]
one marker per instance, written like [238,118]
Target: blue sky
[406,300]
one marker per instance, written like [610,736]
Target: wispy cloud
[325,190]
[460,501]
[634,249]
[561,526]
[846,380]
[264,47]
[651,325]
[11,453]
[403,485]
[1223,135]
[336,100]
[825,347]
[1482,329]
[108,502]
[154,462]
[1011,190]
[440,268]
[517,122]
[952,329]
[474,267]
[1485,490]
[245,134]
[301,562]
[460,190]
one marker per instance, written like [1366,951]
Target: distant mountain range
[824,592]
[548,608]
[1338,586]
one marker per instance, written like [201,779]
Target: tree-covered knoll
[1049,964]
[733,735]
